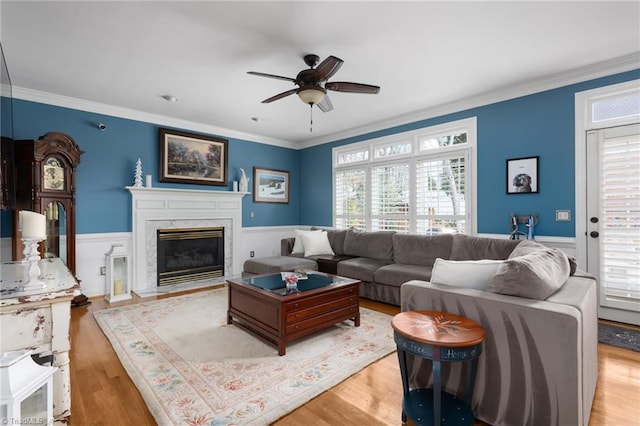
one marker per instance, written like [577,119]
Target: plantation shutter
[350,198]
[390,197]
[441,194]
[620,217]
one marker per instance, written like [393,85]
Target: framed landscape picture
[270,186]
[522,175]
[191,158]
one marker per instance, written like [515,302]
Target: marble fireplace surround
[156,208]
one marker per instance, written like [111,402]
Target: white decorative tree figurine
[137,183]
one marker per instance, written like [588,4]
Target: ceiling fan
[310,83]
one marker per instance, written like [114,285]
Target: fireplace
[164,208]
[189,254]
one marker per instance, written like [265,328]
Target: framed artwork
[270,186]
[190,158]
[522,175]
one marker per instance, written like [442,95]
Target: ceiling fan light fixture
[312,96]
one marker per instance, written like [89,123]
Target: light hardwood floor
[103,394]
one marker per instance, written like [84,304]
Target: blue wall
[108,165]
[542,124]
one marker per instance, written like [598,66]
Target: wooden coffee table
[262,306]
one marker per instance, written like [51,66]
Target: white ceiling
[422,54]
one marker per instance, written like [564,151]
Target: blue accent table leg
[402,359]
[437,388]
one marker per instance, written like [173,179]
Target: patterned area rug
[192,368]
[619,336]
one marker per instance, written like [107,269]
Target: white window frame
[414,136]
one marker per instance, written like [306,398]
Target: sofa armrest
[286,246]
[538,364]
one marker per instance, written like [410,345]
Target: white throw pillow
[316,243]
[298,248]
[465,273]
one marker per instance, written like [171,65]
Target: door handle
[594,234]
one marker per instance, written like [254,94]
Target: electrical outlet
[252,253]
[103,270]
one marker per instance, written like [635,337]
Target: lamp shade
[311,96]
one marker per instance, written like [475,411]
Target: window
[418,182]
[390,197]
[350,199]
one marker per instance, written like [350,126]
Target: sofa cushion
[528,246]
[397,274]
[465,247]
[536,275]
[316,243]
[373,245]
[421,249]
[361,268]
[273,264]
[336,238]
[298,247]
[465,273]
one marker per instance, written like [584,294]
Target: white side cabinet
[118,270]
[38,320]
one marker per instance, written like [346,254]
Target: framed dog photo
[270,186]
[522,175]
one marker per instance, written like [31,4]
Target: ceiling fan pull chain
[311,118]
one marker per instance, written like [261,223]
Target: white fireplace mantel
[158,207]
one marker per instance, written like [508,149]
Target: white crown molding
[116,111]
[578,75]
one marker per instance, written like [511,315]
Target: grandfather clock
[45,183]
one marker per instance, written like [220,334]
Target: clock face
[53,174]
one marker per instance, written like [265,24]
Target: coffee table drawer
[316,310]
[322,321]
[320,299]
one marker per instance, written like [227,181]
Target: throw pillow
[316,243]
[536,275]
[298,248]
[464,273]
[528,246]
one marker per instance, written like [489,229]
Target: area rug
[619,336]
[192,368]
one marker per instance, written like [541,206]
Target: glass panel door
[613,209]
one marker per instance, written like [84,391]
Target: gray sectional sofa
[539,364]
[383,260]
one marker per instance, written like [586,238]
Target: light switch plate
[563,215]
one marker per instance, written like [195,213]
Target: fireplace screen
[190,254]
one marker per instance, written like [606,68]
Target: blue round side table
[440,337]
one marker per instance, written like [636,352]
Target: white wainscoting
[90,257]
[566,244]
[91,248]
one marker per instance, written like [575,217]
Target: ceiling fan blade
[279,77]
[325,105]
[280,96]
[345,86]
[327,68]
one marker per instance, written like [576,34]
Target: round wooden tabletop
[438,328]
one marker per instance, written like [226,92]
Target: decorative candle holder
[32,257]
